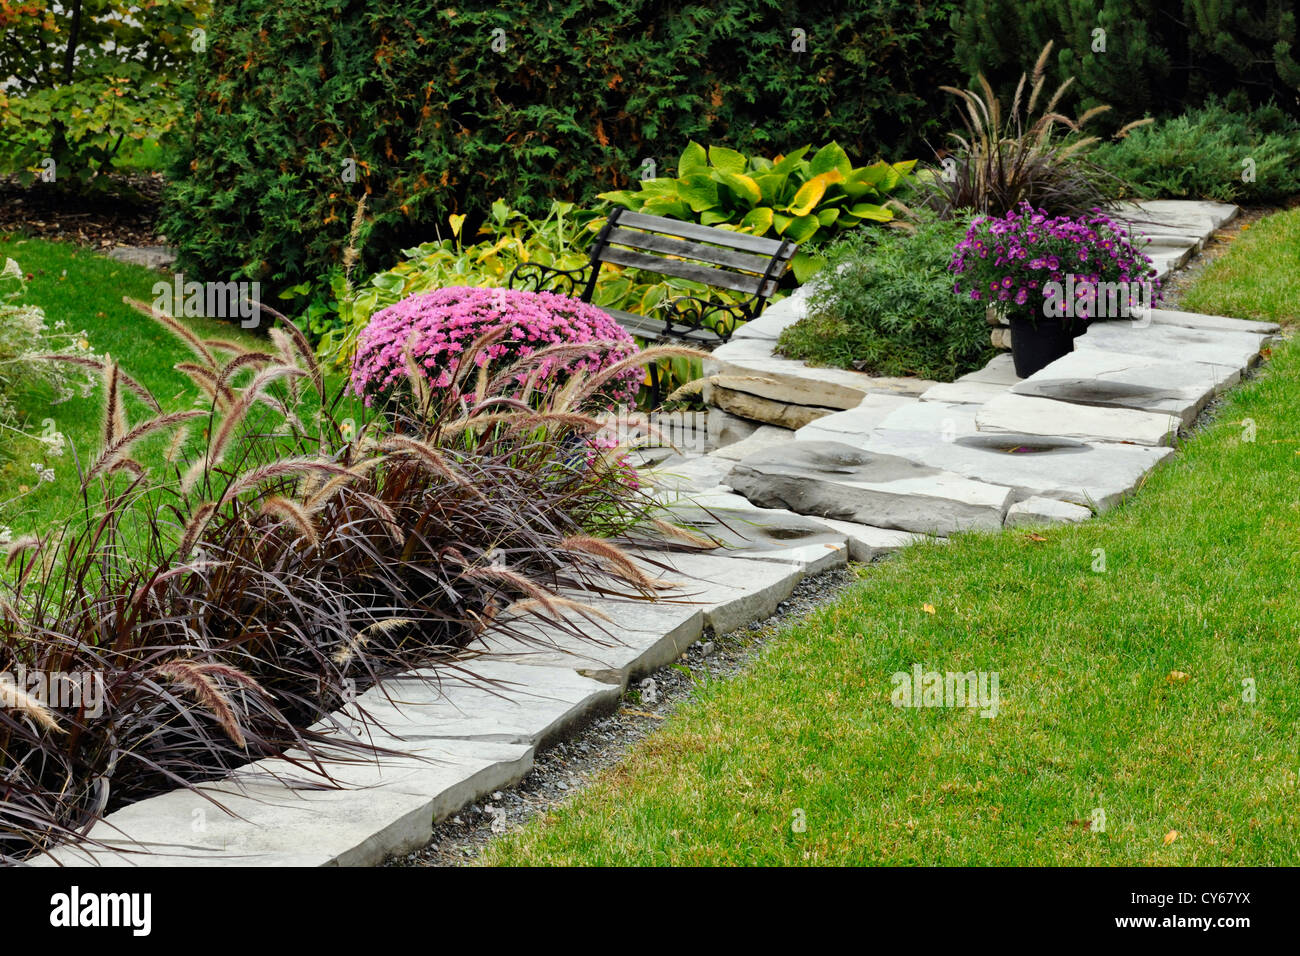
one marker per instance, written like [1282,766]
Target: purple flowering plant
[439,327]
[1029,263]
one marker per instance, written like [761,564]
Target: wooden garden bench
[719,258]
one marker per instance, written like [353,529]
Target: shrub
[803,200]
[1008,159]
[299,109]
[1203,154]
[1024,260]
[884,305]
[240,597]
[85,77]
[1153,57]
[438,330]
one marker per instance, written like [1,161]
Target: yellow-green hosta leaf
[782,223]
[773,186]
[711,217]
[727,160]
[811,193]
[698,191]
[802,228]
[744,188]
[623,197]
[830,157]
[827,216]
[758,220]
[790,162]
[694,160]
[652,297]
[669,206]
[905,166]
[866,210]
[805,265]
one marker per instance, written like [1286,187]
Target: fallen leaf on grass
[1170,837]
[1034,536]
[1178,677]
[927,608]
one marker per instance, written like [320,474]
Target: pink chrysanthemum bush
[441,330]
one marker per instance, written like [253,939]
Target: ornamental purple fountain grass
[440,326]
[1025,261]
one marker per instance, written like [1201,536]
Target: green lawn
[1125,686]
[85,290]
[1258,278]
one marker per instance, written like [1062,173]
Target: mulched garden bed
[99,222]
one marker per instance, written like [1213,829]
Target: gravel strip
[570,765]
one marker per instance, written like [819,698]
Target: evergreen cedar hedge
[1161,56]
[438,121]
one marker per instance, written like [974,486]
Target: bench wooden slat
[691,230]
[736,281]
[657,242]
[649,327]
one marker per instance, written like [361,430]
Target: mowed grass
[1149,668]
[1258,277]
[85,290]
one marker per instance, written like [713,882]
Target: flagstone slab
[774,320]
[854,422]
[1174,343]
[742,402]
[483,699]
[963,393]
[868,543]
[764,437]
[946,420]
[259,820]
[1039,511]
[731,590]
[1220,323]
[684,475]
[764,534]
[835,480]
[1118,380]
[1001,370]
[1023,415]
[1178,215]
[793,382]
[1030,465]
[620,641]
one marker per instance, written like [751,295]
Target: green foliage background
[1161,56]
[571,100]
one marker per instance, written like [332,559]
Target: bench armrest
[535,277]
[685,314]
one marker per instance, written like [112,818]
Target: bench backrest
[751,265]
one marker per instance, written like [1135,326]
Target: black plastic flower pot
[1035,344]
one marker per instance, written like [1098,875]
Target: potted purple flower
[1051,276]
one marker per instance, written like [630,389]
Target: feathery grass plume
[352,252]
[386,515]
[612,556]
[293,513]
[553,603]
[684,534]
[206,380]
[132,385]
[519,581]
[177,444]
[114,414]
[303,347]
[284,468]
[21,545]
[116,450]
[422,451]
[344,655]
[196,677]
[243,360]
[194,527]
[237,413]
[13,697]
[645,357]
[225,345]
[179,329]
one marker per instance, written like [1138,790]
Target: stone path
[815,466]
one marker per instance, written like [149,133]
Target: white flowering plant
[27,342]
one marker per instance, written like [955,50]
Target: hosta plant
[798,197]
